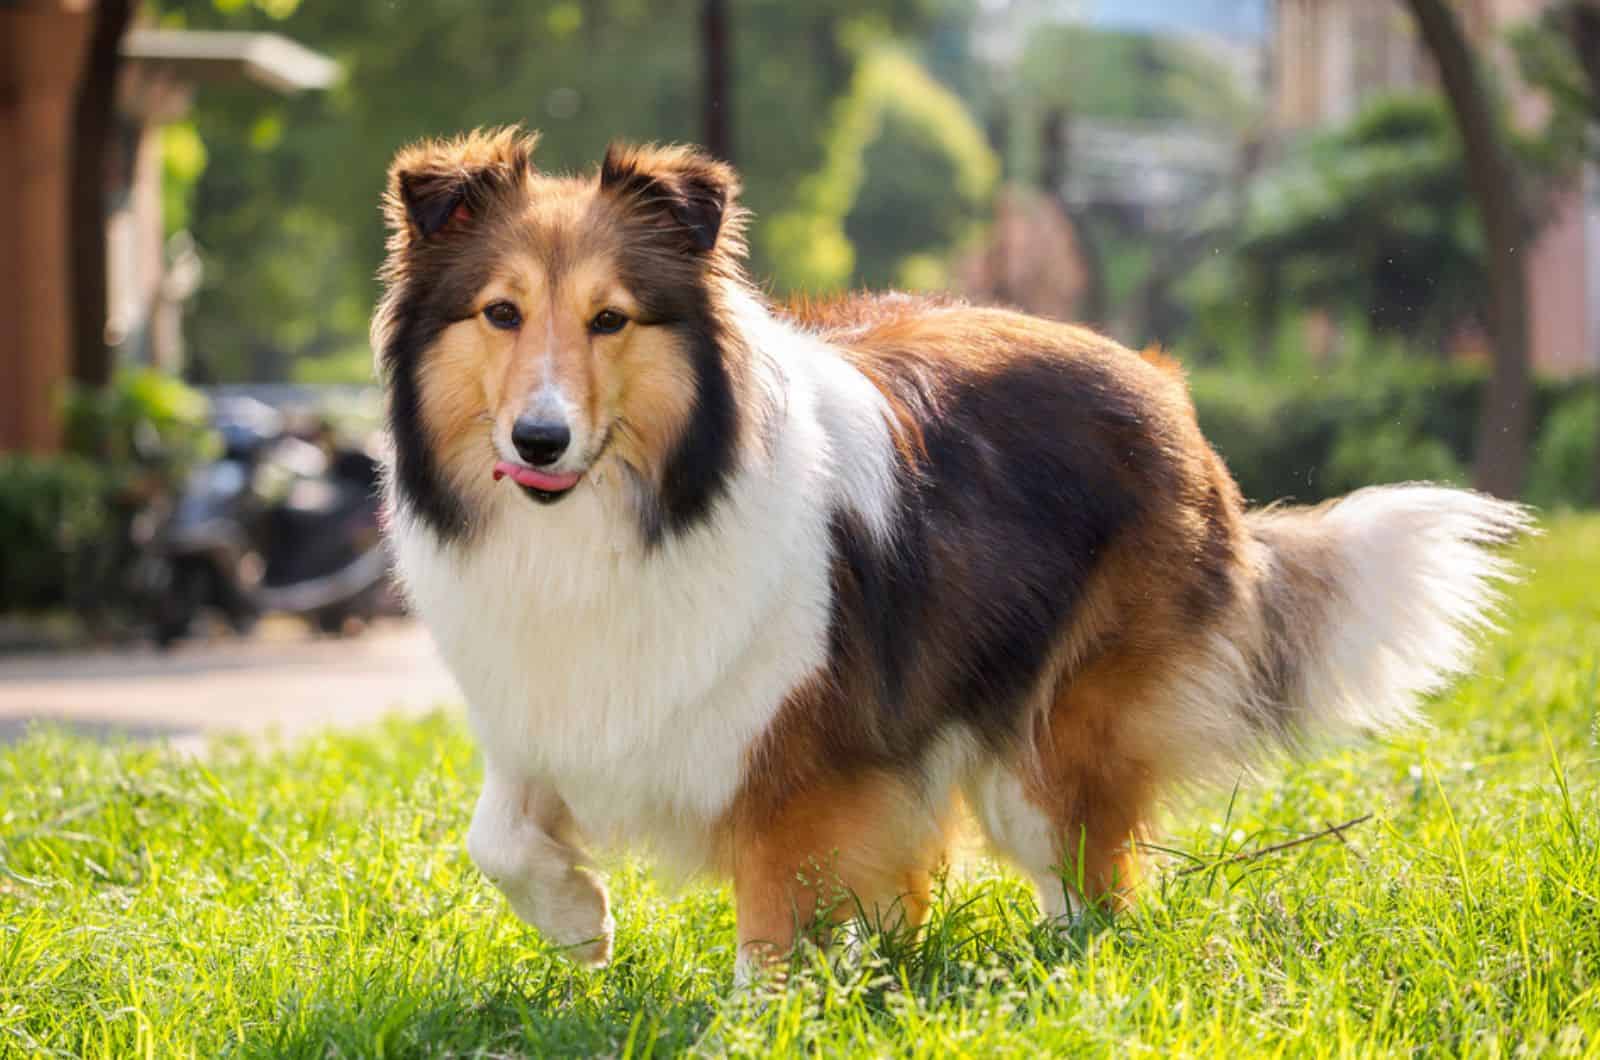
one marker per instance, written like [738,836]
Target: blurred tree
[1560,54]
[1500,464]
[1113,75]
[1069,75]
[1378,225]
[286,212]
[1581,20]
[906,175]
[717,95]
[1371,221]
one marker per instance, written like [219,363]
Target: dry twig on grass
[1335,830]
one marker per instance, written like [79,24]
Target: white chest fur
[635,681]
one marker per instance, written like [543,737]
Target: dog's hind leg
[524,840]
[1074,835]
[867,844]
[1070,810]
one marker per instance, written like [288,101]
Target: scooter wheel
[168,634]
[182,602]
[338,622]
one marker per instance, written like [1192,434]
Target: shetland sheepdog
[773,591]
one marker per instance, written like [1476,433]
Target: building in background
[1329,57]
[149,277]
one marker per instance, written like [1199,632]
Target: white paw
[594,952]
[576,917]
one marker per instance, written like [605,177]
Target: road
[284,683]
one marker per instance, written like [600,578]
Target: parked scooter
[278,524]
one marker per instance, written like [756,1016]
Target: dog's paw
[593,952]
[758,965]
[579,920]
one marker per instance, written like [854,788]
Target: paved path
[285,682]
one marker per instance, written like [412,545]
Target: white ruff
[634,682]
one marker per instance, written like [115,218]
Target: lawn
[317,901]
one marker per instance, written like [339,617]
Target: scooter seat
[314,497]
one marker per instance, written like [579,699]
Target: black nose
[540,442]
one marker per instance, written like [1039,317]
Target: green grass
[316,901]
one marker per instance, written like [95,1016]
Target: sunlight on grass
[317,901]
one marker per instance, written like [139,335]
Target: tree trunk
[717,80]
[1502,447]
[94,127]
[1055,147]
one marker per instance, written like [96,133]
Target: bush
[64,519]
[1318,435]
[907,176]
[146,423]
[1394,452]
[53,513]
[1564,457]
[1371,220]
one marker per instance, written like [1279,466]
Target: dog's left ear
[685,193]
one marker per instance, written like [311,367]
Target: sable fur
[830,568]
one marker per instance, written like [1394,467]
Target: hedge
[65,519]
[53,513]
[1320,435]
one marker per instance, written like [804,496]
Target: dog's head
[533,327]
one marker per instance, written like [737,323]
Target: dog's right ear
[438,186]
[433,199]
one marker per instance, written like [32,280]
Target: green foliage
[286,216]
[183,162]
[1371,220]
[1567,453]
[1374,221]
[1391,452]
[316,901]
[1109,76]
[347,366]
[929,180]
[1548,60]
[1095,78]
[53,512]
[271,8]
[1130,77]
[64,519]
[1313,434]
[144,422]
[906,176]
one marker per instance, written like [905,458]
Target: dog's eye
[502,315]
[607,322]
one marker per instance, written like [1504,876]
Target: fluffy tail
[1364,605]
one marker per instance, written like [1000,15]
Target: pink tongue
[527,476]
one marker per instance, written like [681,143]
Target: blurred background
[1370,230]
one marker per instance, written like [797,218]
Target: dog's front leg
[524,840]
